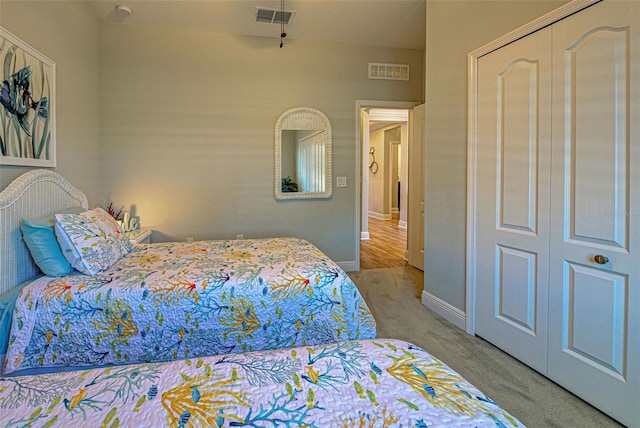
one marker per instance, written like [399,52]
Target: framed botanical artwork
[27,104]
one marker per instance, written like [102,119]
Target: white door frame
[363,104]
[394,147]
[472,139]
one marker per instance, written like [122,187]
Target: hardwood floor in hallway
[386,246]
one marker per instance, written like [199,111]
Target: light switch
[341,181]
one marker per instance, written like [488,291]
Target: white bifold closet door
[514,172]
[558,240]
[594,293]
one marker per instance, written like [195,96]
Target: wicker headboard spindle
[34,194]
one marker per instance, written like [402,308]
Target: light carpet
[394,297]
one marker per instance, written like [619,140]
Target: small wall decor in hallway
[373,165]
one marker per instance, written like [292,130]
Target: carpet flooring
[394,297]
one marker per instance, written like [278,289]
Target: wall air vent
[273,16]
[388,71]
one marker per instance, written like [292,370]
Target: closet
[555,257]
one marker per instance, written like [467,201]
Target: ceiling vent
[388,71]
[273,16]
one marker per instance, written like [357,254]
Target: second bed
[168,301]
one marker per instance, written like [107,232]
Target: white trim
[402,224]
[379,216]
[533,26]
[361,104]
[447,311]
[364,236]
[472,70]
[352,266]
[470,295]
[406,146]
[388,115]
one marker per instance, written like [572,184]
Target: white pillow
[91,241]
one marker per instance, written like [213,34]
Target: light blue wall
[455,28]
[188,129]
[67,33]
[178,126]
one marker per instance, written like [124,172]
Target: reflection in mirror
[303,155]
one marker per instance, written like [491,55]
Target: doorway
[385,243]
[382,208]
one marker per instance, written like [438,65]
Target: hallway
[386,246]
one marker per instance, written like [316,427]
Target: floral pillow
[91,241]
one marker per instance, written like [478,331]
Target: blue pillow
[7,304]
[41,240]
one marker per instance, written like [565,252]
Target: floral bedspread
[181,300]
[372,383]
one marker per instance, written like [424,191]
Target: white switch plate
[341,181]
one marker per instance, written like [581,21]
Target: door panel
[513,161]
[596,200]
[516,288]
[598,340]
[599,137]
[517,143]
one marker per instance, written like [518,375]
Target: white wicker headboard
[34,194]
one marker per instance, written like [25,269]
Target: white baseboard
[364,236]
[379,216]
[402,224]
[449,312]
[351,266]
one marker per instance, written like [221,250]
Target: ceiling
[391,23]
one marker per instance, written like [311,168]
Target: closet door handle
[600,259]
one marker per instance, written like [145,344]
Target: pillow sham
[91,241]
[40,238]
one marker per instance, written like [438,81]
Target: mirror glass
[303,155]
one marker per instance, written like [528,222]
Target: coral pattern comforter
[375,383]
[178,300]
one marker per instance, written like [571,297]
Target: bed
[372,383]
[164,301]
